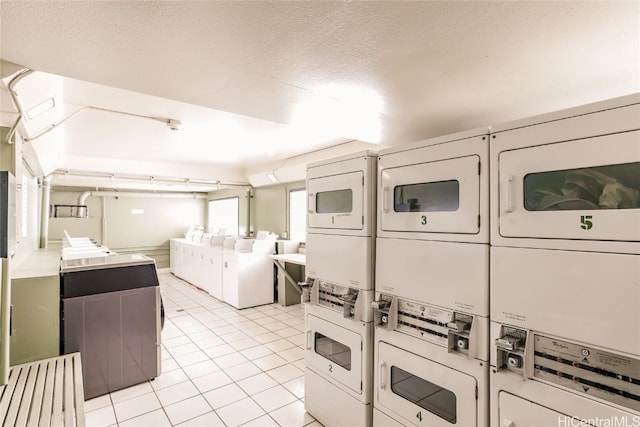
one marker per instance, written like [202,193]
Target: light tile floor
[220,367]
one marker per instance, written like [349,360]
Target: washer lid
[96,263]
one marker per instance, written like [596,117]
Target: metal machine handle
[309,340]
[383,371]
[508,194]
[311,203]
[385,199]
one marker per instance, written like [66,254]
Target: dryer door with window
[334,352]
[336,202]
[434,197]
[423,392]
[587,189]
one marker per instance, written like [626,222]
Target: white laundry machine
[341,220]
[431,313]
[339,266]
[338,373]
[212,269]
[565,267]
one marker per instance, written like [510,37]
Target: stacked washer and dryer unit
[507,277]
[431,312]
[340,267]
[565,268]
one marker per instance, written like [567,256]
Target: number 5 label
[585,222]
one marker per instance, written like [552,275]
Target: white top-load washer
[565,264]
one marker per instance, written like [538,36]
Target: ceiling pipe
[21,74]
[82,211]
[12,131]
[173,124]
[44,213]
[62,175]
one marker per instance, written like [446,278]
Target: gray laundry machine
[110,311]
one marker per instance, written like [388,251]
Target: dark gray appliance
[110,311]
[7,214]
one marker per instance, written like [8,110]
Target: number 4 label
[585,222]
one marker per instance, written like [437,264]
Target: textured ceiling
[426,68]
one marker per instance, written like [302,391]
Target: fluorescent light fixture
[272,177]
[41,108]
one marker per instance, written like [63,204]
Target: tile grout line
[186,305]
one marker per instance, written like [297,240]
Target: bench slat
[78,387]
[27,395]
[56,411]
[7,394]
[68,404]
[47,393]
[16,400]
[38,392]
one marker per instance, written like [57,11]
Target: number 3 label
[423,220]
[585,222]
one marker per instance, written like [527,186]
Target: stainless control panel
[349,302]
[598,373]
[446,328]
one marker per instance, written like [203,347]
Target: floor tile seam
[118,421]
[164,407]
[277,408]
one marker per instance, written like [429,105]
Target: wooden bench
[47,392]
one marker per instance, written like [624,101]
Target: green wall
[112,223]
[272,207]
[110,220]
[245,202]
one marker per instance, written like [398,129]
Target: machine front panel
[583,296]
[335,352]
[435,197]
[344,260]
[447,274]
[336,202]
[587,189]
[422,392]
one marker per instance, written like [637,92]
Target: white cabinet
[247,279]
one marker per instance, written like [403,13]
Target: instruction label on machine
[513,316]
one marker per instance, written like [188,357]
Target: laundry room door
[336,201]
[586,189]
[423,392]
[334,352]
[433,197]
